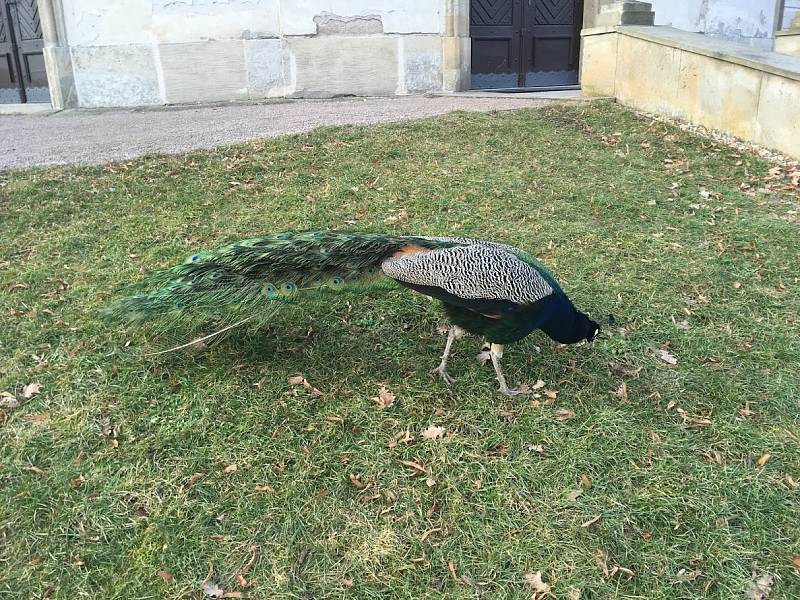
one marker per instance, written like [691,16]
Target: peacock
[487,288]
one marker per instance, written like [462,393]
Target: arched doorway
[525,43]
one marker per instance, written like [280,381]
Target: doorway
[23,77]
[524,44]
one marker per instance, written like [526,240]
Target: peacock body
[489,289]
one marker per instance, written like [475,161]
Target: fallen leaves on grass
[434,432]
[551,394]
[564,414]
[418,468]
[34,469]
[538,385]
[536,448]
[667,357]
[31,390]
[760,588]
[249,565]
[622,392]
[404,436]
[764,458]
[585,481]
[385,397]
[573,495]
[230,469]
[356,482]
[8,400]
[590,521]
[429,533]
[212,590]
[300,380]
[265,488]
[165,576]
[539,587]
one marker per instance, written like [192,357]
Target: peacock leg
[496,353]
[454,333]
[485,355]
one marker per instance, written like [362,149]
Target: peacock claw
[444,374]
[511,392]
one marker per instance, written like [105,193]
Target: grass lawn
[145,477]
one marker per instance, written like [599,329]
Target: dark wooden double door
[23,77]
[525,43]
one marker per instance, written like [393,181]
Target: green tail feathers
[252,277]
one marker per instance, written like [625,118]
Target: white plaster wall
[108,22]
[177,21]
[728,18]
[398,16]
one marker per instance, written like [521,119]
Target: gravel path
[95,137]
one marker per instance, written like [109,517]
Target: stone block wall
[752,94]
[151,52]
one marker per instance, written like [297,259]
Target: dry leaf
[737,285]
[434,432]
[230,469]
[357,483]
[591,521]
[538,385]
[300,380]
[764,458]
[348,583]
[403,436]
[420,470]
[796,562]
[233,595]
[30,390]
[760,588]
[534,580]
[551,394]
[667,357]
[8,400]
[536,448]
[573,495]
[265,488]
[212,590]
[574,594]
[585,481]
[77,482]
[563,414]
[429,533]
[36,470]
[39,417]
[165,576]
[240,575]
[622,392]
[385,398]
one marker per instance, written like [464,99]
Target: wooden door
[525,43]
[23,77]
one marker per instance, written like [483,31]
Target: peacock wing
[471,272]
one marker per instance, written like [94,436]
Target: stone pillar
[456,46]
[57,58]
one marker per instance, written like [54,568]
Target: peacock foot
[511,392]
[444,374]
[485,355]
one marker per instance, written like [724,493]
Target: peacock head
[587,329]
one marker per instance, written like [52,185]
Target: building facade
[125,53]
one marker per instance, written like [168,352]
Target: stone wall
[151,52]
[753,94]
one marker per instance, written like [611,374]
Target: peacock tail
[252,278]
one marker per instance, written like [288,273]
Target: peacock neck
[561,321]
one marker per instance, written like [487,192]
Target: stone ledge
[732,52]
